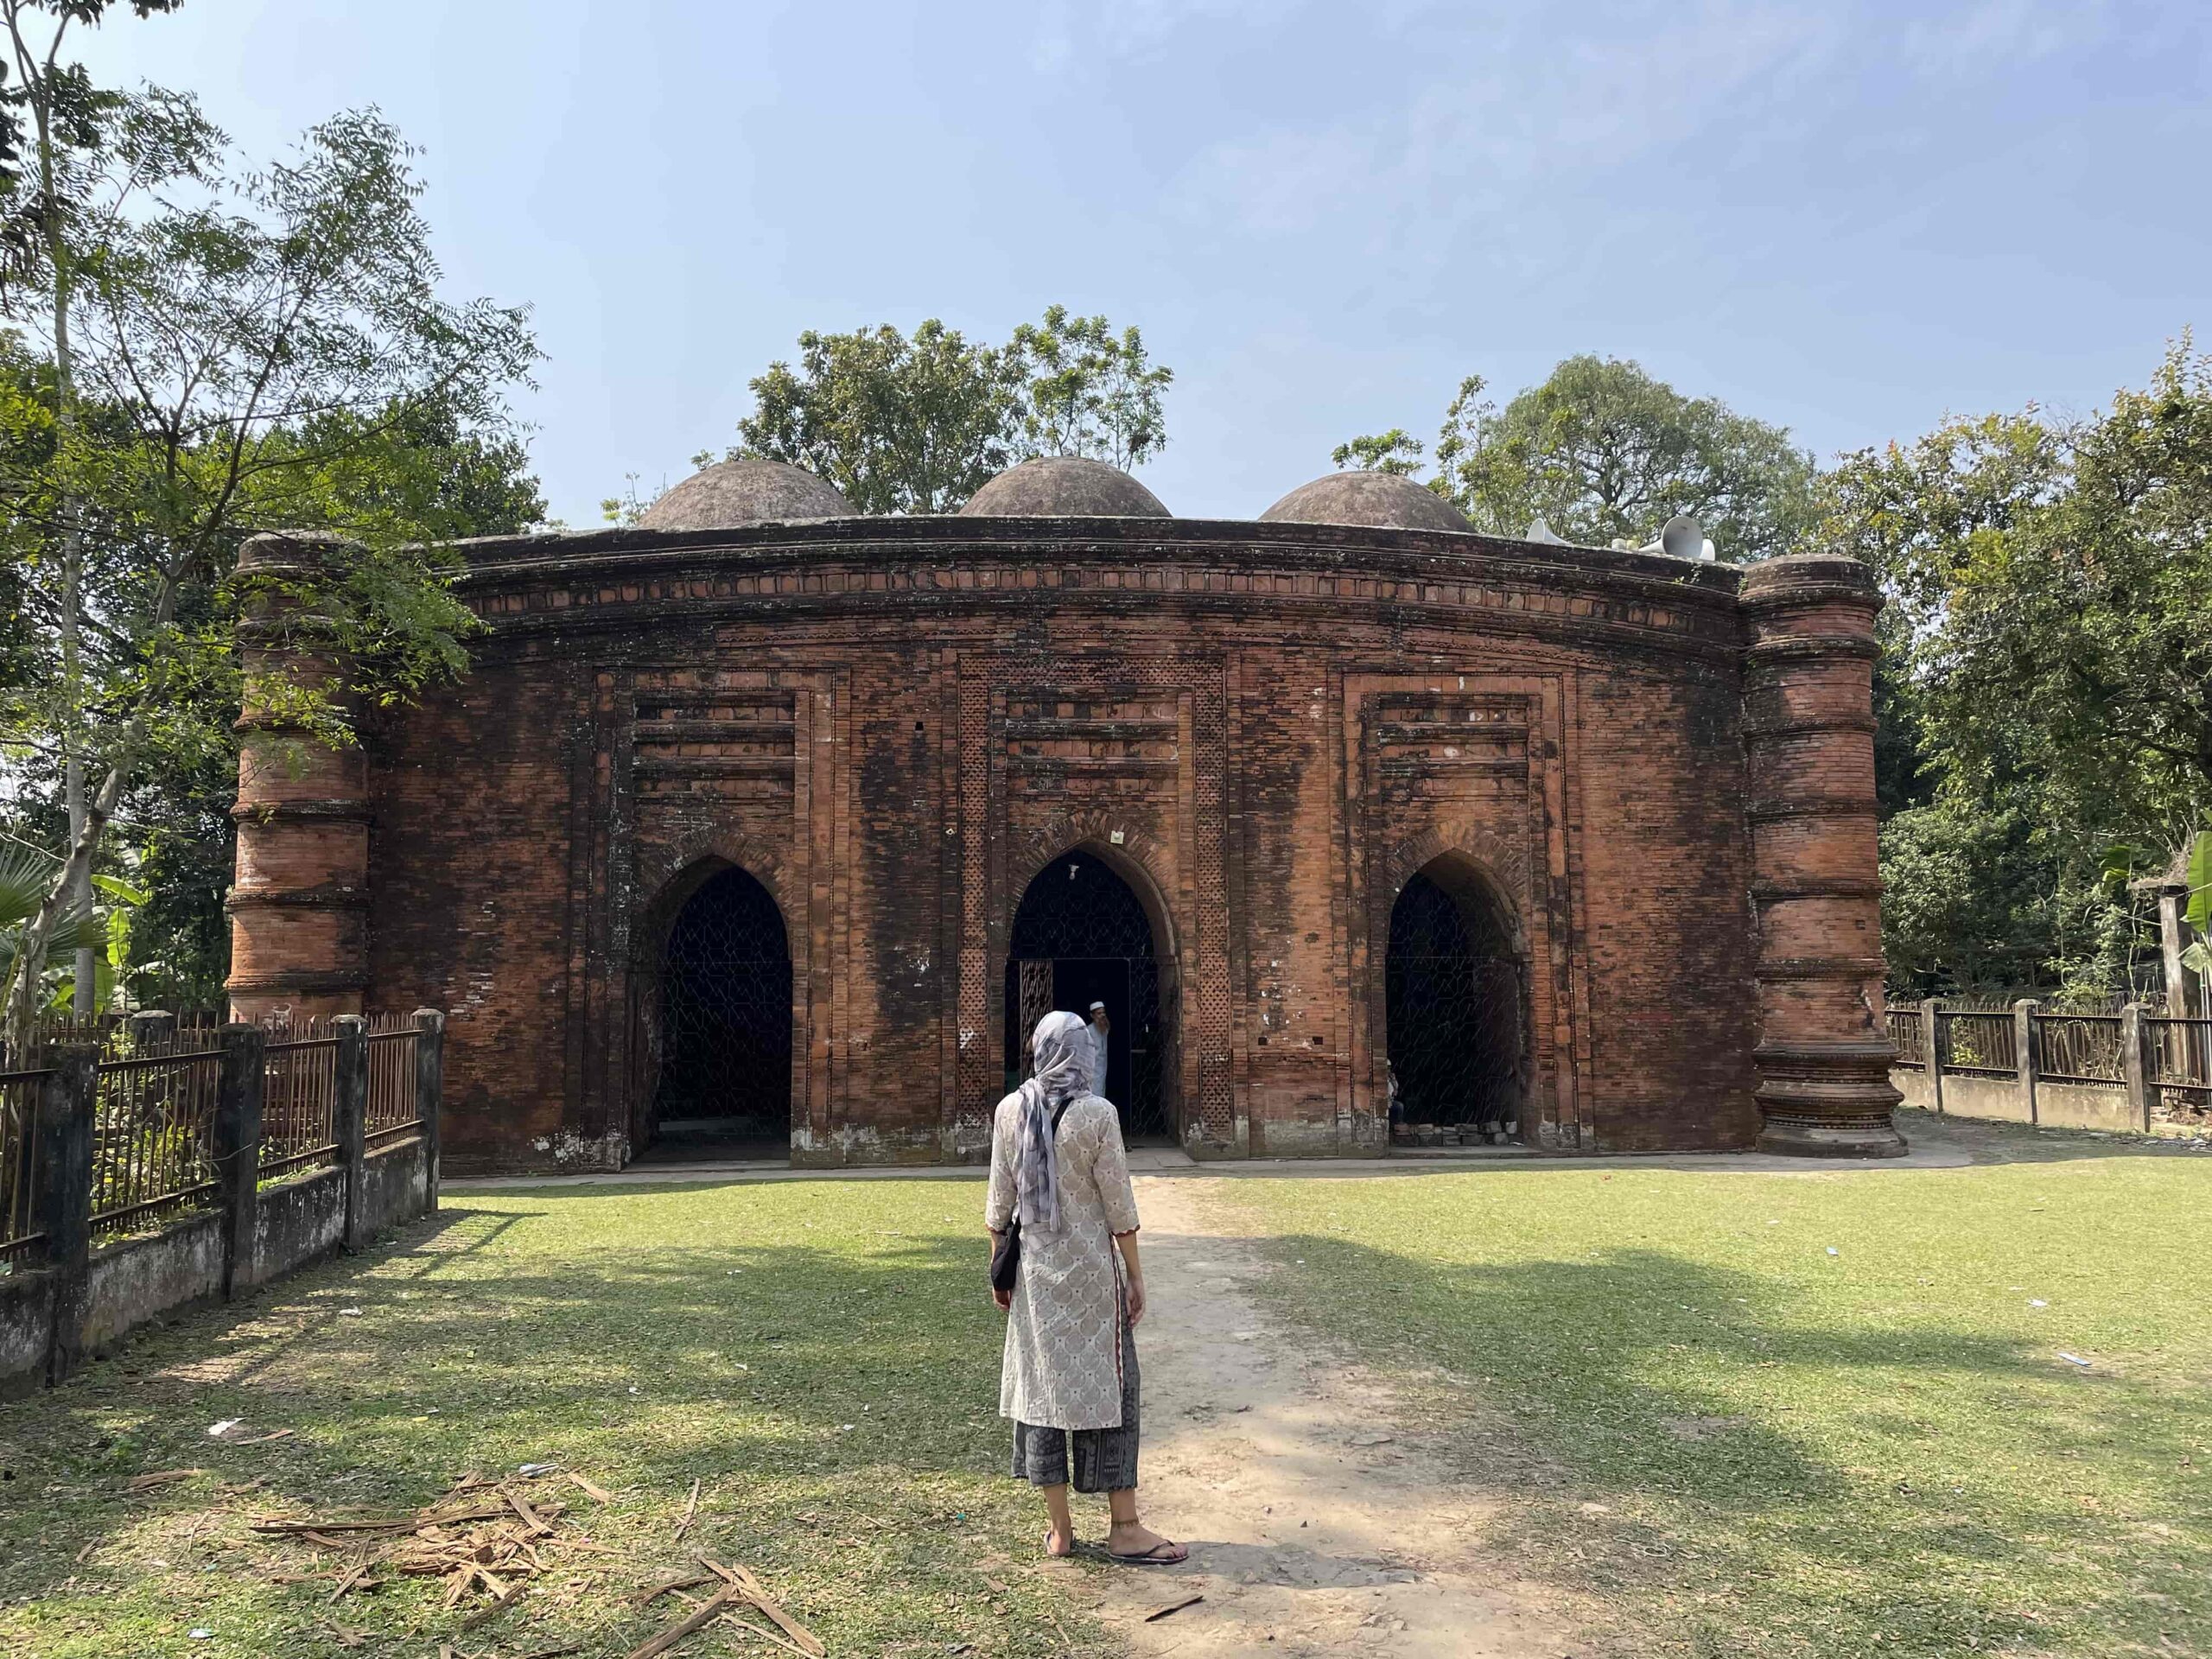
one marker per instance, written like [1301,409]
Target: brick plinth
[1824,1054]
[299,903]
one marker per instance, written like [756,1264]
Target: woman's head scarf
[1060,1066]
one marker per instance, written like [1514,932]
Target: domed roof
[734,492]
[1064,487]
[1382,500]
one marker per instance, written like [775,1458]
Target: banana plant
[26,875]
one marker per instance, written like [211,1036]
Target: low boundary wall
[79,1301]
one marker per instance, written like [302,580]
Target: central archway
[1082,934]
[1455,1007]
[725,1074]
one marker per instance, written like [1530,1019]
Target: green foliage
[250,348]
[1396,452]
[901,425]
[1602,451]
[1967,899]
[2049,663]
[1088,390]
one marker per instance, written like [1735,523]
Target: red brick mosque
[765,814]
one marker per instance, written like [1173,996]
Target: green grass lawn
[1810,1414]
[821,1357]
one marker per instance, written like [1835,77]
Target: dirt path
[1315,1525]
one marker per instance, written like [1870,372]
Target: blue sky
[1848,218]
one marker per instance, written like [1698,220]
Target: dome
[734,492]
[1382,500]
[1064,487]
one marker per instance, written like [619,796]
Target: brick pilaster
[299,897]
[1824,1053]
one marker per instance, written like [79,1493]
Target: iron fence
[19,1096]
[1907,1034]
[2179,1052]
[1978,1044]
[2078,1047]
[394,1108]
[299,1102]
[153,1130]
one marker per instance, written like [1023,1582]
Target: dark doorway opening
[1455,1010]
[724,1084]
[1081,935]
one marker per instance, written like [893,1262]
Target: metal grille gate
[1454,1019]
[1080,934]
[726,1011]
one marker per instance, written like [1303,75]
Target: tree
[258,345]
[900,425]
[1090,391]
[1604,451]
[54,105]
[2078,642]
[1396,452]
[2046,699]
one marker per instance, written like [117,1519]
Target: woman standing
[1070,1377]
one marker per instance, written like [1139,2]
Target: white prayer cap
[1098,1008]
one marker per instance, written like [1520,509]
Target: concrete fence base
[81,1300]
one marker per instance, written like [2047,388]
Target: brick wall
[893,724]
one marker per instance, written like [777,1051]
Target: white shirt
[1097,1060]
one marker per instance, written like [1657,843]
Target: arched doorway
[724,1088]
[1455,1008]
[1081,935]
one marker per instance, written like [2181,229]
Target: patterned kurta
[1062,1366]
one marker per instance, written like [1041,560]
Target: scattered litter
[739,1587]
[224,1430]
[349,1312]
[845,1427]
[1158,1613]
[480,1535]
[200,1634]
[534,1471]
[633,1387]
[2037,1302]
[2076,1359]
[1834,1251]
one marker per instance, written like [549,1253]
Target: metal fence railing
[19,1096]
[153,1131]
[2179,1054]
[299,1101]
[393,1110]
[155,1082]
[2079,1047]
[1979,1045]
[1908,1032]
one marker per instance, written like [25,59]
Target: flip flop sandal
[1072,1547]
[1152,1557]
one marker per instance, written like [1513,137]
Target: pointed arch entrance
[722,1031]
[1456,1006]
[1082,933]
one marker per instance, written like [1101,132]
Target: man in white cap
[1100,1024]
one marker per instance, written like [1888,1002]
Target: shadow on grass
[1786,1481]
[863,1371]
